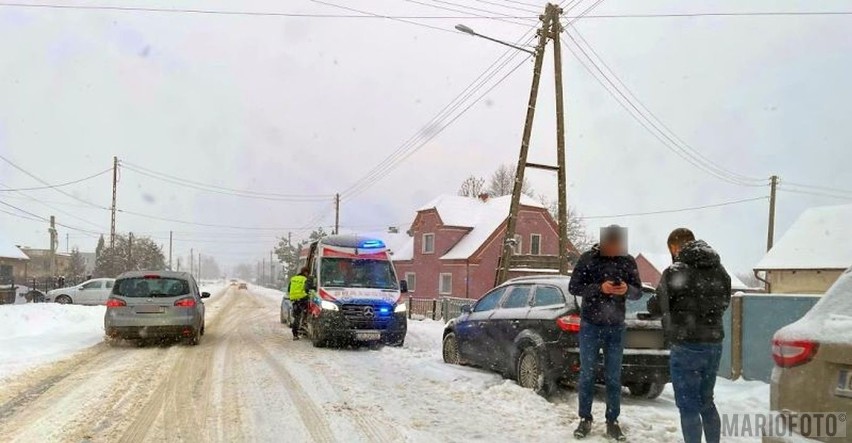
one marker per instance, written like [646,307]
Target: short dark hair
[680,237]
[304,271]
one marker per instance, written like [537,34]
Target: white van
[355,293]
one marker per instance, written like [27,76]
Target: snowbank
[514,413]
[37,333]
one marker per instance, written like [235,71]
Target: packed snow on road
[249,381]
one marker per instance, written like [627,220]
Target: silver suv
[158,304]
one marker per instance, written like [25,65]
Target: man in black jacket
[603,278]
[692,297]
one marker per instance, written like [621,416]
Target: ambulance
[355,295]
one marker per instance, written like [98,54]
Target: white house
[812,254]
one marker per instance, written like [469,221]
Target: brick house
[454,244]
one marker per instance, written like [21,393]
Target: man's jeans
[593,339]
[693,370]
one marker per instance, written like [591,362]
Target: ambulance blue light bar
[372,244]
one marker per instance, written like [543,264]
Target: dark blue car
[526,329]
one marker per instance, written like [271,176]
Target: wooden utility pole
[112,210]
[199,266]
[191,261]
[170,249]
[770,235]
[556,30]
[336,214]
[271,269]
[130,266]
[54,246]
[550,25]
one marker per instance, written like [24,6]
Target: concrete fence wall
[750,324]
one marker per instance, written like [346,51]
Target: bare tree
[502,182]
[472,187]
[578,233]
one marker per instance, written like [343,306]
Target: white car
[91,292]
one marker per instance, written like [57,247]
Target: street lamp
[469,31]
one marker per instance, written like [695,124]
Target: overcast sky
[309,105]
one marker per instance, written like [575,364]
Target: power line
[226,12]
[469,14]
[37,188]
[652,124]
[515,8]
[434,132]
[820,188]
[417,17]
[51,207]
[521,3]
[433,127]
[720,14]
[45,219]
[185,222]
[40,180]
[815,193]
[671,211]
[373,14]
[222,190]
[505,18]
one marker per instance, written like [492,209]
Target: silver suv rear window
[151,286]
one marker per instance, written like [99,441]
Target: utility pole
[112,210]
[271,269]
[555,32]
[54,245]
[511,224]
[263,271]
[199,265]
[336,214]
[170,250]
[770,236]
[67,247]
[191,261]
[178,264]
[130,265]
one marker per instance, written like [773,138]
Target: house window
[445,284]
[535,244]
[428,243]
[518,245]
[411,278]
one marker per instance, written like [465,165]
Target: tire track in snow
[371,427]
[312,416]
[168,391]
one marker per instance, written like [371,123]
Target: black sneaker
[583,429]
[613,431]
[296,337]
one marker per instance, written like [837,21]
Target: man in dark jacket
[603,278]
[692,297]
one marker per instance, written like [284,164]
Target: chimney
[484,196]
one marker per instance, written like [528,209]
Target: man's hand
[609,288]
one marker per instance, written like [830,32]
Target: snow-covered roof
[9,250]
[820,238]
[737,284]
[482,217]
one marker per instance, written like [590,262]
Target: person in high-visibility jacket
[297,291]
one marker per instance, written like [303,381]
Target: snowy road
[248,381]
